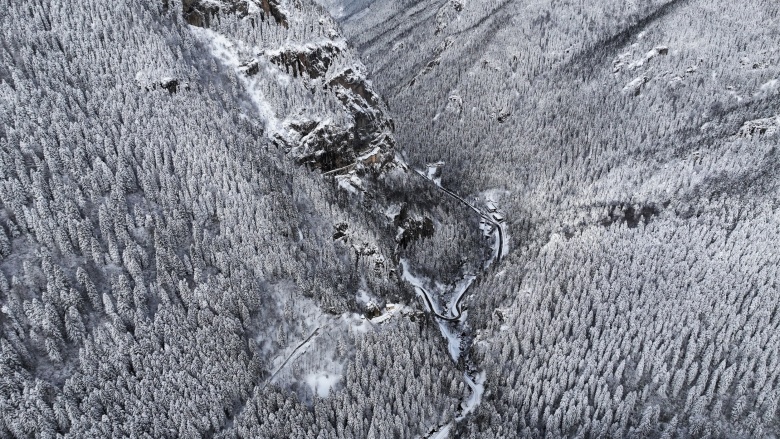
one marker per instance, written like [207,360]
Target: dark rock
[250,68]
[170,84]
[379,265]
[341,231]
[414,227]
[371,127]
[503,115]
[197,13]
[328,147]
[355,83]
[200,13]
[372,311]
[324,146]
[760,127]
[313,62]
[630,214]
[271,8]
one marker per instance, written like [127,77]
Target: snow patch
[393,211]
[322,382]
[227,52]
[477,386]
[369,154]
[359,324]
[443,433]
[769,87]
[434,171]
[635,85]
[362,297]
[350,182]
[622,61]
[449,330]
[454,339]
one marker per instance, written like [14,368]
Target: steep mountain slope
[633,147]
[213,227]
[201,210]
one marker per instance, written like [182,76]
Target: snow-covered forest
[633,146]
[389,219]
[169,240]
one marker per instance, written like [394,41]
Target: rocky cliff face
[201,12]
[351,128]
[328,146]
[617,135]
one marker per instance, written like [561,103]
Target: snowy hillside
[202,210]
[389,219]
[634,145]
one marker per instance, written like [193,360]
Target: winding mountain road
[459,311]
[500,241]
[486,216]
[474,380]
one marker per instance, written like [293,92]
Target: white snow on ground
[442,433]
[350,183]
[409,276]
[635,84]
[453,337]
[363,297]
[493,195]
[393,211]
[769,87]
[362,326]
[433,172]
[322,382]
[461,286]
[227,52]
[369,154]
[477,386]
[336,11]
[623,61]
[450,331]
[391,310]
[152,75]
[381,319]
[315,357]
[505,235]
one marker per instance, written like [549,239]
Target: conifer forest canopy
[389,219]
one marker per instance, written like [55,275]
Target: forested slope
[174,260]
[633,146]
[209,214]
